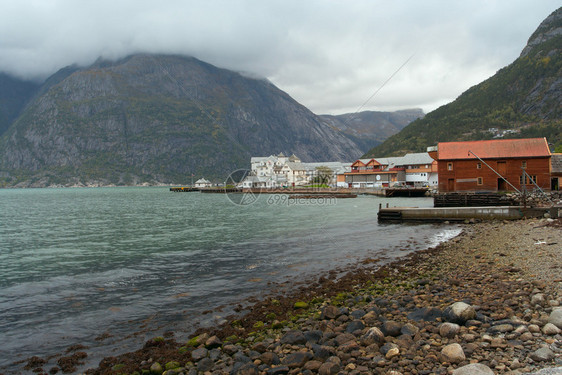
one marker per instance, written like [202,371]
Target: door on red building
[502,170]
[502,184]
[451,184]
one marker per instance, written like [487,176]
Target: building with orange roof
[494,165]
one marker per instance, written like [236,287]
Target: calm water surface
[126,264]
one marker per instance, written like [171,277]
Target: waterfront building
[494,165]
[280,171]
[203,183]
[415,169]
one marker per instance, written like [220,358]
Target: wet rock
[313,336]
[313,366]
[373,335]
[501,328]
[297,359]
[428,314]
[542,354]
[354,325]
[206,364]
[330,312]
[270,358]
[245,369]
[281,370]
[213,342]
[370,318]
[409,329]
[387,347]
[229,349]
[449,330]
[453,353]
[199,354]
[473,369]
[293,338]
[391,328]
[322,352]
[358,314]
[241,358]
[329,368]
[343,338]
[459,312]
[550,329]
[156,368]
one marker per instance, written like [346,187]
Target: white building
[202,183]
[280,171]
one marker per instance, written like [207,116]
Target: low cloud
[329,55]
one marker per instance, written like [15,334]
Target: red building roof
[494,149]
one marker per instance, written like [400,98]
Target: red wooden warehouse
[494,165]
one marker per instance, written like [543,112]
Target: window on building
[479,165]
[526,180]
[449,166]
[524,164]
[480,181]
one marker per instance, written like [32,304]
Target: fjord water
[109,268]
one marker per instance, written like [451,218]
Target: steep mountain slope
[370,128]
[158,118]
[14,94]
[521,100]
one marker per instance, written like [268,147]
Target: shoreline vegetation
[487,300]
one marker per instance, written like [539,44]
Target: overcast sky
[331,56]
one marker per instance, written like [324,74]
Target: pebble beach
[486,302]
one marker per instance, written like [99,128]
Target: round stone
[453,353]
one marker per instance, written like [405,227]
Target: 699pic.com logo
[239,188]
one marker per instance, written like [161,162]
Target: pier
[183,189]
[461,214]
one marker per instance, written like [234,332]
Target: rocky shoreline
[485,302]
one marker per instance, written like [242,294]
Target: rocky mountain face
[521,100]
[14,94]
[155,118]
[371,128]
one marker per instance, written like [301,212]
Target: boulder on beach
[449,330]
[473,369]
[459,312]
[556,317]
[374,335]
[428,314]
[542,355]
[453,353]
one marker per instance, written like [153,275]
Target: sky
[332,56]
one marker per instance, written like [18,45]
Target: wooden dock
[183,189]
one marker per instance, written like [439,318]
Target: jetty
[187,189]
[398,192]
[461,214]
[183,189]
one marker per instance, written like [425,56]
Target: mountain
[157,118]
[370,128]
[14,95]
[521,100]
